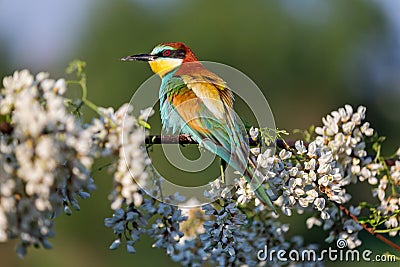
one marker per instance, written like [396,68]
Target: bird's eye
[166,53]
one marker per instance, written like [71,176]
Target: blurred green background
[309,57]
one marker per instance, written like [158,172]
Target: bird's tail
[256,184]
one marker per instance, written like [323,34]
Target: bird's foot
[185,139]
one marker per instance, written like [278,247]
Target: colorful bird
[195,101]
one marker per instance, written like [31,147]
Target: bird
[197,102]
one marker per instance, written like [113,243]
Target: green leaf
[363,220]
[77,66]
[144,124]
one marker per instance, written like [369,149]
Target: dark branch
[185,139]
[366,228]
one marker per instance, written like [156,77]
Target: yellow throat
[161,66]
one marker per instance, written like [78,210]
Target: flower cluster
[317,174]
[119,134]
[223,239]
[45,158]
[132,222]
[304,177]
[344,133]
[388,194]
[233,234]
[165,230]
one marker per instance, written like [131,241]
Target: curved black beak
[139,57]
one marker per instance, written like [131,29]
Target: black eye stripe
[180,53]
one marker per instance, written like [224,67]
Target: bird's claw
[185,139]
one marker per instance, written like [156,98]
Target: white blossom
[284,154]
[124,137]
[45,159]
[300,147]
[254,133]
